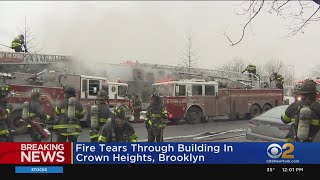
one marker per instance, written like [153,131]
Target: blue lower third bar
[39,169]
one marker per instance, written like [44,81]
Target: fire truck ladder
[211,73]
[30,58]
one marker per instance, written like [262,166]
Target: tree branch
[245,26]
[294,32]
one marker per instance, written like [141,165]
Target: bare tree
[274,66]
[286,9]
[32,47]
[237,64]
[316,71]
[190,58]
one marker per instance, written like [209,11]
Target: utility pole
[25,33]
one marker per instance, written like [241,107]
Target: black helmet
[102,95]
[155,96]
[122,112]
[69,91]
[4,89]
[309,86]
[35,92]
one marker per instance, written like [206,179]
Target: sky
[155,32]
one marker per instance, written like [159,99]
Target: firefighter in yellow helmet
[18,43]
[118,128]
[298,113]
[102,113]
[252,69]
[36,113]
[5,109]
[68,114]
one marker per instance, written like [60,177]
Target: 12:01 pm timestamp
[293,169]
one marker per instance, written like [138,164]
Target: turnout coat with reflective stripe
[289,115]
[111,133]
[64,126]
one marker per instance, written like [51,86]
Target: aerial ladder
[211,74]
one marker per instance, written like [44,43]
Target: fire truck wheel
[266,107]
[255,111]
[15,123]
[194,115]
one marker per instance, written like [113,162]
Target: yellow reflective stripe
[28,125]
[32,114]
[133,138]
[57,110]
[146,119]
[4,132]
[103,120]
[94,136]
[289,140]
[70,134]
[8,111]
[315,122]
[65,126]
[155,115]
[159,125]
[286,118]
[102,139]
[80,112]
[62,111]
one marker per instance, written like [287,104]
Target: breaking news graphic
[53,158]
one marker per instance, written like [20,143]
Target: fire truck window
[209,90]
[122,91]
[182,90]
[92,84]
[196,90]
[84,85]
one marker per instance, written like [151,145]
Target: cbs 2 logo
[275,151]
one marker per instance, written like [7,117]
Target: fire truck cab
[197,100]
[51,86]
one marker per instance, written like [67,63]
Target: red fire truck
[51,85]
[197,100]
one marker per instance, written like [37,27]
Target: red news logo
[42,153]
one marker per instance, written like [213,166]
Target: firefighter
[155,115]
[68,113]
[118,128]
[103,113]
[36,112]
[17,44]
[5,109]
[252,69]
[293,114]
[278,79]
[137,108]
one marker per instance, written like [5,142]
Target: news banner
[28,157]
